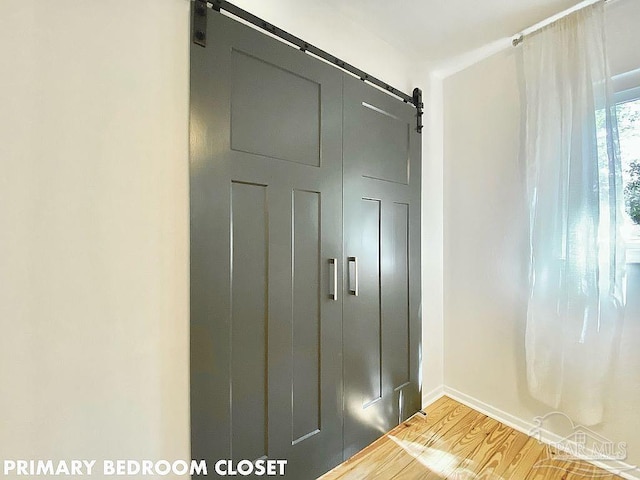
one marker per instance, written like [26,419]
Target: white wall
[94,229]
[485,233]
[432,243]
[94,342]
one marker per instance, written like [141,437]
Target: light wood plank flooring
[455,442]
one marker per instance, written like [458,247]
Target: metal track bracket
[200,22]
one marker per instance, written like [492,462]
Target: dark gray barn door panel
[266,218]
[305,210]
[382,234]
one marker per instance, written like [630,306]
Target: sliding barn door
[382,275]
[266,224]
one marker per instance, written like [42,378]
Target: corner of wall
[432,241]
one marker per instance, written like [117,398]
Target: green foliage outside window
[629,129]
[628,120]
[632,192]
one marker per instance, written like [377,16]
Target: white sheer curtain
[577,260]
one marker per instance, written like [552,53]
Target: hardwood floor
[455,442]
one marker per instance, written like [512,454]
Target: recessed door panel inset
[369,300]
[306,315]
[395,267]
[249,321]
[274,112]
[383,135]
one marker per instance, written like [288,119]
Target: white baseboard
[490,411]
[619,468]
[430,397]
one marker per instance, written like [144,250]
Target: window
[628,113]
[628,117]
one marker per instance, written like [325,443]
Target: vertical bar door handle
[333,278]
[353,275]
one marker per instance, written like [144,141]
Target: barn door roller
[417,102]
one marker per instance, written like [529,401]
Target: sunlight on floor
[436,460]
[458,443]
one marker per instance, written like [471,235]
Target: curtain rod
[519,38]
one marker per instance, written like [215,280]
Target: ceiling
[440,30]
